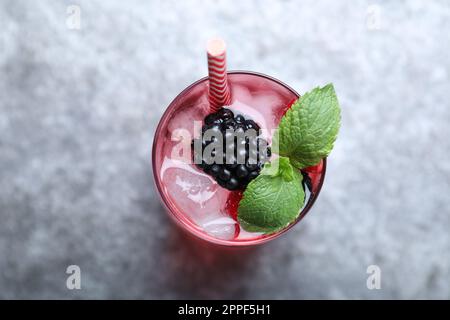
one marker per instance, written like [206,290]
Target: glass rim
[189,226]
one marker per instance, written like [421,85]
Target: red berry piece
[232,204]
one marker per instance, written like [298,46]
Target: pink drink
[193,198]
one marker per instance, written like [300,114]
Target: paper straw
[219,92]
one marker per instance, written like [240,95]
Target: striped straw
[219,92]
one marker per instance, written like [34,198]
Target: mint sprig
[307,131]
[273,199]
[305,136]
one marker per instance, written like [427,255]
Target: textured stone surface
[78,109]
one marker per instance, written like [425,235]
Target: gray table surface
[78,109]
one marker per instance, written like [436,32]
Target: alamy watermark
[73,19]
[373,17]
[73,281]
[374,280]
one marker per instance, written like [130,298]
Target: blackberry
[250,124]
[231,151]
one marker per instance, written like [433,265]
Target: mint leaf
[272,200]
[307,131]
[306,134]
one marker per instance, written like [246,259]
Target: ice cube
[195,193]
[184,118]
[243,235]
[272,102]
[242,93]
[224,228]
